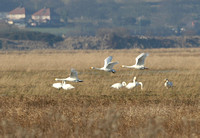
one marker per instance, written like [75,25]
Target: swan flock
[108,67]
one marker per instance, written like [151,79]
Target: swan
[119,85]
[57,85]
[168,83]
[134,84]
[139,62]
[67,86]
[62,85]
[108,65]
[72,77]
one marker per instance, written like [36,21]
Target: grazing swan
[67,86]
[134,84]
[119,85]
[57,85]
[139,62]
[72,77]
[108,65]
[168,83]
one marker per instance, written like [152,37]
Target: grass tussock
[30,107]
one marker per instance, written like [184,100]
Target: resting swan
[119,85]
[134,84]
[63,85]
[168,83]
[139,62]
[108,65]
[72,77]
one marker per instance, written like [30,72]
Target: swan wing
[111,64]
[141,58]
[73,73]
[107,61]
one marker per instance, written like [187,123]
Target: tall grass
[30,107]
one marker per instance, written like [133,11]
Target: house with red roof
[17,14]
[42,15]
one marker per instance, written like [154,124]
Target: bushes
[34,36]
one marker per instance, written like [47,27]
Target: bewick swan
[57,85]
[140,59]
[72,77]
[119,85]
[134,84]
[168,83]
[108,65]
[67,86]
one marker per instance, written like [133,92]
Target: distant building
[42,15]
[17,14]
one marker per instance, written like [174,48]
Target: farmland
[30,107]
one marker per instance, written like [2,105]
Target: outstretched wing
[107,61]
[111,64]
[141,58]
[73,73]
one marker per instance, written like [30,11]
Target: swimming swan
[168,83]
[108,65]
[72,77]
[119,85]
[139,62]
[134,84]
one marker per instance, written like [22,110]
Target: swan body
[57,85]
[168,83]
[72,77]
[119,85]
[140,59]
[67,86]
[108,65]
[134,84]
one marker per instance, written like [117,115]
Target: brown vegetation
[30,107]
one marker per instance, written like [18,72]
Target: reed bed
[30,107]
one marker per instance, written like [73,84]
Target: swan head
[92,67]
[123,83]
[134,78]
[123,66]
[166,80]
[56,79]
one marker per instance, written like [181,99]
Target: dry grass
[30,107]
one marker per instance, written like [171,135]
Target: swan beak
[91,67]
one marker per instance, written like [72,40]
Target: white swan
[119,85]
[108,65]
[72,77]
[57,85]
[168,83]
[134,84]
[67,86]
[63,85]
[139,62]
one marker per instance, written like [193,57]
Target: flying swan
[168,83]
[139,62]
[119,85]
[72,77]
[108,65]
[134,84]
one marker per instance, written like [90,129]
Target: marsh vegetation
[31,107]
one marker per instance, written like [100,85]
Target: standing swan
[108,65]
[139,62]
[72,77]
[134,84]
[119,85]
[168,83]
